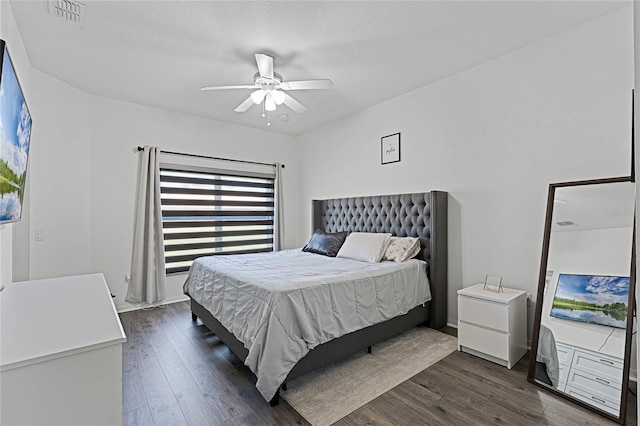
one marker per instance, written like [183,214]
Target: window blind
[214,212]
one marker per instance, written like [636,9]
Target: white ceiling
[159,53]
[601,206]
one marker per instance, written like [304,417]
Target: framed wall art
[390,146]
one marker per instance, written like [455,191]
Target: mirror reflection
[582,333]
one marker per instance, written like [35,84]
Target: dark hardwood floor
[176,372]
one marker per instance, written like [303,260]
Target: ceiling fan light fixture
[258,96]
[269,103]
[278,97]
[271,89]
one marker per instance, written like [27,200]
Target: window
[211,212]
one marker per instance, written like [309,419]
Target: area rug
[331,393]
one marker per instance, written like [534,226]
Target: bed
[287,343]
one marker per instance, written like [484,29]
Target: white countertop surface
[50,318]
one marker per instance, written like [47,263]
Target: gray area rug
[331,393]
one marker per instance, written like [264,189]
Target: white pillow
[402,248]
[365,246]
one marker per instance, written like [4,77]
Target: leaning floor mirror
[584,319]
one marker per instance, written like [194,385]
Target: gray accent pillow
[325,243]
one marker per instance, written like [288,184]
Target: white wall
[494,136]
[59,171]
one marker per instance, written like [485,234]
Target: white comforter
[280,305]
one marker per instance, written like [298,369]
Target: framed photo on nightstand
[493,283]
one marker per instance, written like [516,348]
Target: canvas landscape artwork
[594,299]
[15,132]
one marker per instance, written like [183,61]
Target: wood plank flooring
[176,372]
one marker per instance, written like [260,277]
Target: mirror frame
[540,293]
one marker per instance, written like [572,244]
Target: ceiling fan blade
[245,105]
[246,86]
[306,84]
[293,104]
[265,65]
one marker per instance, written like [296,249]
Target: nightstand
[491,325]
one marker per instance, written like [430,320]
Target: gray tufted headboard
[422,215]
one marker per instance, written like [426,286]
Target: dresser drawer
[483,313]
[604,367]
[563,373]
[565,354]
[594,385]
[483,340]
[601,403]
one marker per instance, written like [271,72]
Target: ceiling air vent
[71,11]
[565,223]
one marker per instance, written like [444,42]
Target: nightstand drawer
[484,313]
[483,340]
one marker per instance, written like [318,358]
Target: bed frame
[422,215]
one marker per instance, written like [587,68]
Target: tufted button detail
[404,215]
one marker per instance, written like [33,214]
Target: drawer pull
[602,380]
[601,401]
[606,360]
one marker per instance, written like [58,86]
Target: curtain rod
[214,158]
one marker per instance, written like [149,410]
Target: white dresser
[492,325]
[60,353]
[591,376]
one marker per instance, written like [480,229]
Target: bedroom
[475,133]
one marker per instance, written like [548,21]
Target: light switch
[39,235]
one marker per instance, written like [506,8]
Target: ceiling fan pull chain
[268,118]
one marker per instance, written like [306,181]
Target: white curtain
[147,263]
[278,220]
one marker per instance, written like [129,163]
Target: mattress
[281,305]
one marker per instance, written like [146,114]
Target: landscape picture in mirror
[15,134]
[593,299]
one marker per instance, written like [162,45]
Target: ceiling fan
[271,89]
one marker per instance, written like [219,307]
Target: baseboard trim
[129,307]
